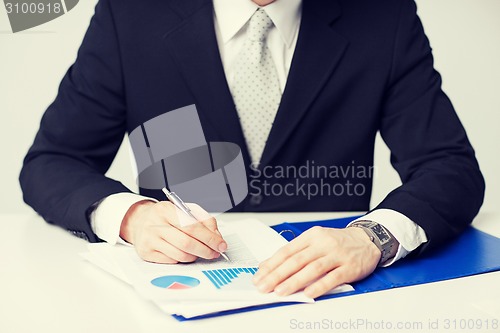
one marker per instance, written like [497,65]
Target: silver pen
[177,202]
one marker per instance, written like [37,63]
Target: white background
[465,36]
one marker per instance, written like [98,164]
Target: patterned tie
[255,89]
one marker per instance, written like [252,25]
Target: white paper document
[205,286]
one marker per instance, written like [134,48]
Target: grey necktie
[255,89]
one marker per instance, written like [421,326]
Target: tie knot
[259,26]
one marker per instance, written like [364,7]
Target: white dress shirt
[231,20]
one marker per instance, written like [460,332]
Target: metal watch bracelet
[381,237]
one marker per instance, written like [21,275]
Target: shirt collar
[232,15]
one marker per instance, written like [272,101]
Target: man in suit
[328,75]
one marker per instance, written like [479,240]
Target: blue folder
[473,252]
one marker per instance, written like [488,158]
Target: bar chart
[235,278]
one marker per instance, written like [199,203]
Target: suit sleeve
[80,133]
[443,188]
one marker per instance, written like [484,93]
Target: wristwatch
[381,237]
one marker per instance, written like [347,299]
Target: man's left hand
[317,261]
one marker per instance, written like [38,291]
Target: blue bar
[222,277]
[225,274]
[208,275]
[229,273]
[232,273]
[219,283]
[216,278]
[219,275]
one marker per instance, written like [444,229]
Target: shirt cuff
[107,217]
[409,234]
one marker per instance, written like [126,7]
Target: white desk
[46,287]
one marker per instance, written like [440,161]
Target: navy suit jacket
[360,66]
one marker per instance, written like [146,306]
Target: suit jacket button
[256,200]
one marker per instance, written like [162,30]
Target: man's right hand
[154,230]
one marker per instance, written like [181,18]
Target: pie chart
[175,282]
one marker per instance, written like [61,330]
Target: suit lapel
[318,51]
[193,44]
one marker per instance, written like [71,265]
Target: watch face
[381,233]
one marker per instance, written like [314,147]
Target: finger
[212,240]
[170,251]
[287,269]
[326,283]
[157,258]
[310,273]
[204,217]
[151,247]
[169,213]
[185,242]
[279,257]
[205,241]
[200,214]
[211,224]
